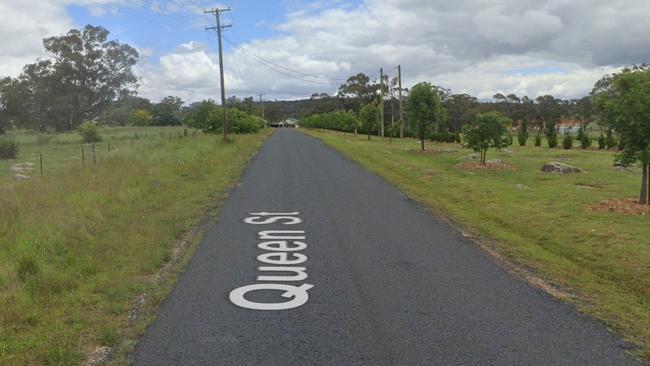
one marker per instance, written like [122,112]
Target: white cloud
[467,45]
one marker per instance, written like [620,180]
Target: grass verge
[540,221]
[80,245]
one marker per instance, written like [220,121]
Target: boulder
[560,168]
[472,157]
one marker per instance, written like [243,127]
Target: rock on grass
[560,168]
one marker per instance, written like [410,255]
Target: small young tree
[423,106]
[486,131]
[551,135]
[89,132]
[623,101]
[567,142]
[610,141]
[522,136]
[602,143]
[369,117]
[583,137]
[538,140]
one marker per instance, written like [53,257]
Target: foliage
[583,137]
[538,140]
[358,91]
[623,101]
[567,141]
[345,121]
[369,118]
[198,115]
[610,140]
[238,121]
[85,74]
[522,135]
[602,143]
[423,106]
[551,135]
[140,117]
[487,131]
[8,149]
[89,132]
[167,112]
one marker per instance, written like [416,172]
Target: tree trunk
[422,143]
[643,198]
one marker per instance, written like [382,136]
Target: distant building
[287,123]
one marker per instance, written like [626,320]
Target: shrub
[551,135]
[89,132]
[8,150]
[610,141]
[538,140]
[602,143]
[583,137]
[26,267]
[522,136]
[567,142]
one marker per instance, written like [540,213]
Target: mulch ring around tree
[486,166]
[622,206]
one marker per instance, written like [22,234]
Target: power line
[274,66]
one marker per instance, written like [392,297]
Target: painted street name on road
[282,248]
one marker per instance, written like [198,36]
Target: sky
[289,49]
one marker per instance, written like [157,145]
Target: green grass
[601,258]
[79,245]
[61,150]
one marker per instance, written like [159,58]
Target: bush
[8,150]
[89,132]
[567,142]
[522,136]
[610,141]
[538,140]
[602,143]
[583,137]
[551,135]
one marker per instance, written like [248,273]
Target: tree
[486,131]
[198,115]
[358,91]
[423,106]
[86,74]
[369,117]
[140,117]
[167,112]
[459,110]
[522,136]
[623,102]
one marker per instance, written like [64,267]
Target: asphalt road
[392,285]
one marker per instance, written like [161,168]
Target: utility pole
[262,103]
[381,100]
[217,13]
[401,106]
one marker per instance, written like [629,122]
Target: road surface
[392,285]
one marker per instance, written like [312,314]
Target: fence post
[41,165]
[83,156]
[92,147]
[109,146]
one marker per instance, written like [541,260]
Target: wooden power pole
[217,13]
[262,103]
[381,100]
[401,105]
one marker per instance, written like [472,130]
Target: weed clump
[26,268]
